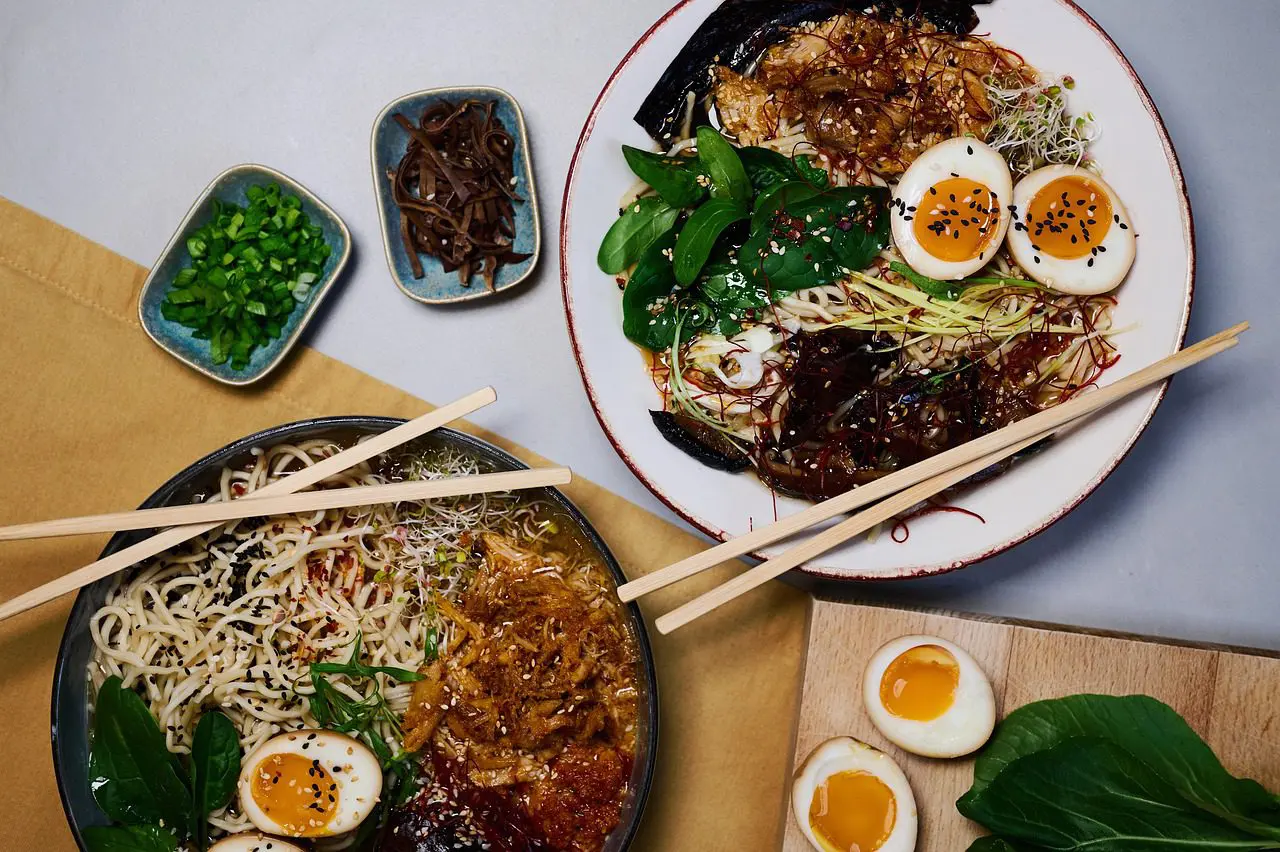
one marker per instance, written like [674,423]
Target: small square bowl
[387,146]
[178,340]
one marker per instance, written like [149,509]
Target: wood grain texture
[1230,696]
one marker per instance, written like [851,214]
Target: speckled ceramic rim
[379,189]
[298,189]
[192,474]
[1188,229]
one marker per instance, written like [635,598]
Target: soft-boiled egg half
[949,213]
[850,796]
[1071,232]
[253,842]
[929,697]
[309,783]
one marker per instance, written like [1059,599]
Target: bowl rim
[376,424]
[818,571]
[321,292]
[379,191]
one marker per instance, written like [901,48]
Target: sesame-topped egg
[929,697]
[309,783]
[1071,232]
[847,795]
[253,842]
[949,213]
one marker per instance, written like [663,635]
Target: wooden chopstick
[287,504]
[1013,440]
[1042,423]
[290,484]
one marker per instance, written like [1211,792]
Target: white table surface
[114,115]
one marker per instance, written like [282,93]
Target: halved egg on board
[949,212]
[850,796]
[253,842]
[309,783]
[1071,232]
[929,697]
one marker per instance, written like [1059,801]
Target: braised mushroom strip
[455,187]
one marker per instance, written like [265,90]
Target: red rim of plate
[1188,227]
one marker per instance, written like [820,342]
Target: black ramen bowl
[72,701]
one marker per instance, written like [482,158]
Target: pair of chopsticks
[277,498]
[898,491]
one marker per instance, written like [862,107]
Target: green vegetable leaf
[768,203]
[642,222]
[134,777]
[1089,794]
[128,838]
[649,300]
[991,843]
[215,768]
[766,168]
[815,175]
[725,286]
[675,179]
[932,287]
[699,235]
[803,238]
[1148,730]
[723,166]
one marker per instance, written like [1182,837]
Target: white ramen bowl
[1138,160]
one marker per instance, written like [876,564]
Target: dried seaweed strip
[455,190]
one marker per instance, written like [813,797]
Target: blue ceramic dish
[72,697]
[387,146]
[177,340]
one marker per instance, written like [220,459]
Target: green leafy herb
[803,238]
[642,222]
[359,718]
[816,175]
[769,202]
[1113,773]
[950,290]
[931,287]
[649,300]
[129,838]
[699,235]
[766,168]
[215,767]
[134,777]
[678,180]
[250,268]
[723,166]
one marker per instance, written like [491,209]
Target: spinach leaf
[725,286]
[1149,730]
[766,168]
[699,235]
[855,217]
[649,300]
[676,179]
[644,220]
[801,237]
[769,202]
[129,838]
[815,175]
[931,287]
[723,166]
[134,777]
[991,843]
[1088,793]
[215,767]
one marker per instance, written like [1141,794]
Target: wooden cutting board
[1231,696]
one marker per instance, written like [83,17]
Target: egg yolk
[297,793]
[956,219]
[920,683]
[853,811]
[1068,217]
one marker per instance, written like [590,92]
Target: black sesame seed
[969,148]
